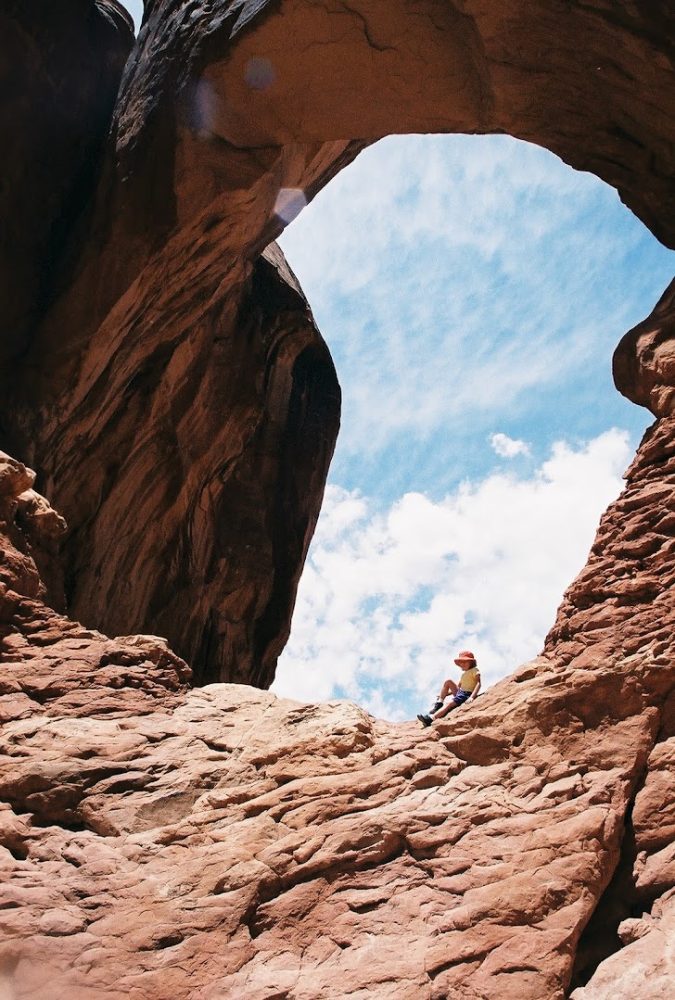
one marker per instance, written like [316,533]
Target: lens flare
[259,74]
[290,202]
[204,109]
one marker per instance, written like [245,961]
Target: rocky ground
[160,368]
[163,841]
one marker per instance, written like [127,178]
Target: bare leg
[444,711]
[448,688]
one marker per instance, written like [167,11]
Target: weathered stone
[184,366]
[644,361]
[60,67]
[30,559]
[227,843]
[646,967]
[159,841]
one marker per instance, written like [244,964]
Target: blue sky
[462,279]
[472,291]
[135,8]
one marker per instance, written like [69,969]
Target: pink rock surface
[159,841]
[227,843]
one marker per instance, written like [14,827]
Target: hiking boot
[437,705]
[424,719]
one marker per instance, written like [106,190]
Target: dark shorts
[461,696]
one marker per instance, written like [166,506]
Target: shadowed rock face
[644,361]
[60,68]
[158,840]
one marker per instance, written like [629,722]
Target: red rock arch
[177,373]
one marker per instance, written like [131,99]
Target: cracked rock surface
[173,369]
[162,372]
[160,841]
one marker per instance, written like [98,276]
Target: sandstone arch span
[174,366]
[181,408]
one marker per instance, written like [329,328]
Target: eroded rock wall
[60,70]
[159,840]
[215,439]
[137,362]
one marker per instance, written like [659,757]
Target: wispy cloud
[507,447]
[387,596]
[464,280]
[472,290]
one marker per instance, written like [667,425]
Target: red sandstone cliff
[185,367]
[161,841]
[165,378]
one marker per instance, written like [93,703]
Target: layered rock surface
[158,840]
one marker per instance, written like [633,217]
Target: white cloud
[508,447]
[459,281]
[388,596]
[454,277]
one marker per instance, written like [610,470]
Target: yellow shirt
[469,679]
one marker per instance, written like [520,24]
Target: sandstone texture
[644,361]
[60,66]
[164,834]
[163,841]
[159,840]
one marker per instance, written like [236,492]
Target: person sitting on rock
[469,686]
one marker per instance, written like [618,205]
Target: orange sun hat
[465,656]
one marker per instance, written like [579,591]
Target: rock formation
[61,67]
[162,373]
[165,841]
[176,358]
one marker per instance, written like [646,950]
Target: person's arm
[474,693]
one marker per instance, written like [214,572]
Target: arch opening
[472,291]
[216,114]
